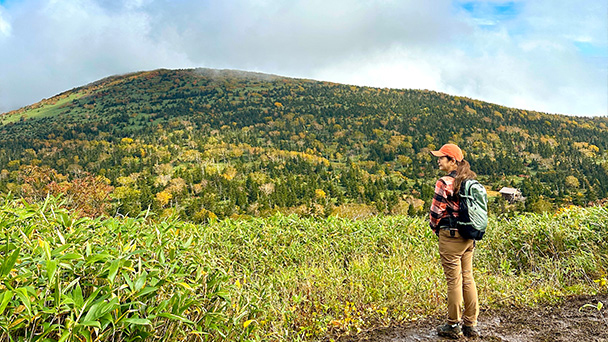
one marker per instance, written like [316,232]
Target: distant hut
[512,195]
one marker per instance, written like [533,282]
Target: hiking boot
[449,330]
[470,331]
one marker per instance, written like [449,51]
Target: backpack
[473,211]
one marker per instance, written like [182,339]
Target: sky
[545,55]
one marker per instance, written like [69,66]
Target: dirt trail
[563,323]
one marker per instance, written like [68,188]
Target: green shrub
[277,278]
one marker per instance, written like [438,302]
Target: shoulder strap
[466,187]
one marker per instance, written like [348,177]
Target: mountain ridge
[210,72]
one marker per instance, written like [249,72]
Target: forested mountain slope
[203,143]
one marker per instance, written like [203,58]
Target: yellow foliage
[163,198]
[267,188]
[548,140]
[229,173]
[236,152]
[404,160]
[205,215]
[125,193]
[191,156]
[572,182]
[320,194]
[470,110]
[125,181]
[258,177]
[176,186]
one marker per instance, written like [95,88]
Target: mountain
[203,143]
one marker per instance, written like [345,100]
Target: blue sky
[490,15]
[494,15]
[544,55]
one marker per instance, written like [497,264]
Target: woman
[455,251]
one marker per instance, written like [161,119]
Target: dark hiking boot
[470,331]
[449,330]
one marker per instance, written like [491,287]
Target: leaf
[98,257]
[161,256]
[113,270]
[87,335]
[65,220]
[247,323]
[72,283]
[225,295]
[175,317]
[185,286]
[188,243]
[47,249]
[77,296]
[146,290]
[16,323]
[51,268]
[138,321]
[128,280]
[90,324]
[6,297]
[61,238]
[65,336]
[100,309]
[8,263]
[70,256]
[92,297]
[25,299]
[57,251]
[598,307]
[93,313]
[141,281]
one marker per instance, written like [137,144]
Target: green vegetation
[68,278]
[205,143]
[47,108]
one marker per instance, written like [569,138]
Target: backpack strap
[455,196]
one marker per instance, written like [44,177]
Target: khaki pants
[457,260]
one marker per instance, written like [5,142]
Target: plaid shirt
[444,204]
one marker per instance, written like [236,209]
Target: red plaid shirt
[444,203]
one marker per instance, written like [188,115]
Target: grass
[280,278]
[44,110]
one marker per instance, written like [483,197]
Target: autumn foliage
[205,143]
[86,195]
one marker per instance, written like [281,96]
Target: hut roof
[506,190]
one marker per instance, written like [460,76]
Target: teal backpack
[473,212]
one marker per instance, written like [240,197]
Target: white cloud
[523,54]
[5,26]
[394,67]
[58,45]
[536,73]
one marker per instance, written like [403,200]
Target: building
[512,195]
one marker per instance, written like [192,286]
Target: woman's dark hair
[463,172]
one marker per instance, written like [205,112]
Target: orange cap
[449,150]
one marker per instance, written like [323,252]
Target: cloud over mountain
[539,55]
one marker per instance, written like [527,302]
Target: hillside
[204,143]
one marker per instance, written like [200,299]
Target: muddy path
[566,322]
